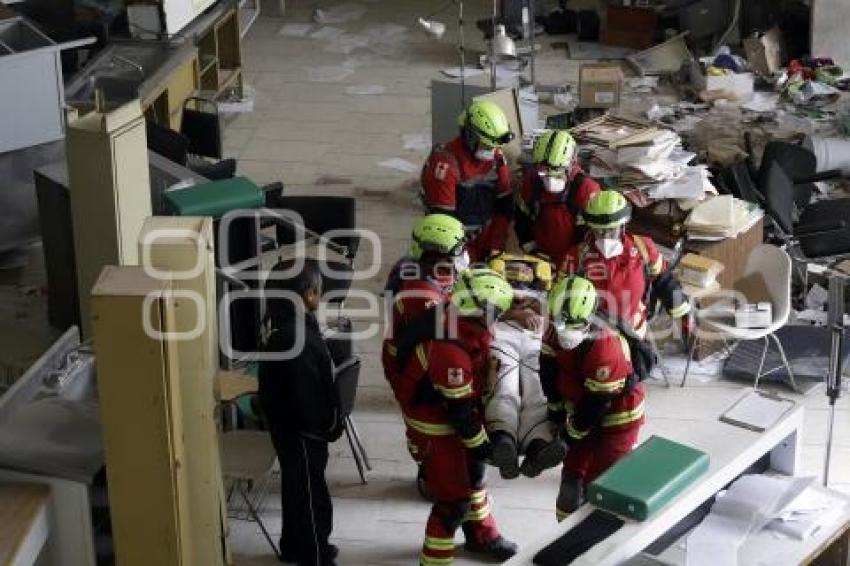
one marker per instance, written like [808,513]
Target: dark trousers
[306,503]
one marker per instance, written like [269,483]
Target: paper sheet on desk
[751,502]
[807,514]
[691,185]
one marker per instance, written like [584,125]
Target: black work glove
[557,416]
[483,452]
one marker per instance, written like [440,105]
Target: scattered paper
[296,30]
[564,101]
[468,72]
[329,73]
[420,141]
[659,112]
[807,514]
[365,89]
[346,43]
[817,297]
[400,165]
[762,102]
[327,33]
[643,84]
[691,185]
[340,14]
[748,505]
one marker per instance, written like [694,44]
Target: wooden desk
[731,449]
[23,522]
[230,385]
[731,252]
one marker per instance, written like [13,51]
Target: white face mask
[482,154]
[609,247]
[570,338]
[461,262]
[554,184]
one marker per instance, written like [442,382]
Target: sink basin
[122,71]
[115,89]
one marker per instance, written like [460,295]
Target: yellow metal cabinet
[110,192]
[139,383]
[181,249]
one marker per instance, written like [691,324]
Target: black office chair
[737,180]
[346,378]
[797,161]
[177,147]
[202,127]
[820,229]
[322,215]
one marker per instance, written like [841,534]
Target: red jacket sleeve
[605,366]
[503,176]
[450,370]
[439,182]
[570,264]
[655,263]
[586,191]
[493,237]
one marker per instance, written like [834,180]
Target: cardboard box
[699,271]
[742,84]
[600,85]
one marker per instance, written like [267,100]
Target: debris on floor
[365,89]
[296,30]
[339,14]
[420,141]
[329,73]
[400,164]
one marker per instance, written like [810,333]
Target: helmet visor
[491,141]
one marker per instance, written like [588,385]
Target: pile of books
[721,217]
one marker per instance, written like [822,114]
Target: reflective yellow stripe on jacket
[477,440]
[423,357]
[654,267]
[595,386]
[624,417]
[681,310]
[454,392]
[431,429]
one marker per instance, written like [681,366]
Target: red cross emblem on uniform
[455,376]
[440,170]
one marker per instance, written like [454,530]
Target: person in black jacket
[301,407]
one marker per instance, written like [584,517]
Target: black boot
[505,454]
[541,455]
[499,549]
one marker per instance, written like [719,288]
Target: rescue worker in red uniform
[423,279]
[593,397]
[457,178]
[553,193]
[439,392]
[626,268]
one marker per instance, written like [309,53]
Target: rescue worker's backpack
[641,353]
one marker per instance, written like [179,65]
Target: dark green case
[215,198]
[648,478]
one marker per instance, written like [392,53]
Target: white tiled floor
[301,132]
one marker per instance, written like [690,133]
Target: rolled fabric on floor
[831,153]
